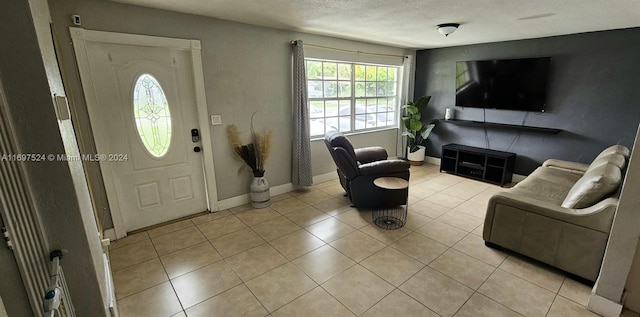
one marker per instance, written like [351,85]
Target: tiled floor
[310,254]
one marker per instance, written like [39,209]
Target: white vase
[260,196]
[417,157]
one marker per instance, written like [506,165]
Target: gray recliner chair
[358,168]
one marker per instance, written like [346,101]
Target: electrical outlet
[216,119]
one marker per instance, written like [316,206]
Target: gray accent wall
[593,96]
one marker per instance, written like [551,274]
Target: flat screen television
[509,84]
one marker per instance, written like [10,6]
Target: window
[350,97]
[151,113]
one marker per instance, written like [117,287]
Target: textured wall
[593,97]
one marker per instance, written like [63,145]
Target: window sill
[321,138]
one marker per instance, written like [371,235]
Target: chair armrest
[384,167]
[573,167]
[370,154]
[597,217]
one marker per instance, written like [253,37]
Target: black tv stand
[486,165]
[482,124]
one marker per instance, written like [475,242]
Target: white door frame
[80,37]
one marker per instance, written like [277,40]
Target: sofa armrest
[384,167]
[573,167]
[370,154]
[597,217]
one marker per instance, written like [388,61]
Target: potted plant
[415,130]
[254,155]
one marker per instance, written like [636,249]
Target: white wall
[246,68]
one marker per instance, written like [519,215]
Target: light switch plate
[216,119]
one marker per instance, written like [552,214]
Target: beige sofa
[561,214]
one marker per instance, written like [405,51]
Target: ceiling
[412,23]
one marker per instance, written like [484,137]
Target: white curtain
[301,165]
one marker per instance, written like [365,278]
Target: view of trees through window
[350,97]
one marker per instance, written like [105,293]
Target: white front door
[142,106]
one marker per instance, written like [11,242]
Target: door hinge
[5,235]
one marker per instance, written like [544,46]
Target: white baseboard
[109,234]
[275,190]
[432,160]
[604,306]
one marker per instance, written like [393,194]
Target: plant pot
[260,196]
[417,157]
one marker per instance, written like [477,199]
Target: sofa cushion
[593,186]
[618,149]
[613,158]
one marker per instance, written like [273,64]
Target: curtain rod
[294,42]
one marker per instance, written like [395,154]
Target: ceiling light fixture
[447,28]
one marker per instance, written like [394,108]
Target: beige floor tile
[132,254]
[355,218]
[465,189]
[478,230]
[357,245]
[444,200]
[384,235]
[392,265]
[534,272]
[168,228]
[307,216]
[211,216]
[330,229]
[189,259]
[280,197]
[421,191]
[180,314]
[316,303]
[473,245]
[442,232]
[199,285]
[253,217]
[481,306]
[447,179]
[524,297]
[334,206]
[312,197]
[130,239]
[463,268]
[323,263]
[220,227]
[281,285]
[335,190]
[420,247]
[412,200]
[473,208]
[628,313]
[575,291]
[138,277]
[563,307]
[238,301]
[434,185]
[177,240]
[399,304]
[357,288]
[288,205]
[460,220]
[275,228]
[429,209]
[296,244]
[159,300]
[241,208]
[236,242]
[438,292]
[416,220]
[255,261]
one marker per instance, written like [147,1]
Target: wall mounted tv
[510,84]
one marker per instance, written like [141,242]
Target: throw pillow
[593,186]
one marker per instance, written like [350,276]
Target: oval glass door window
[152,116]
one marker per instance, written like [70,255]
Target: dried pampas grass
[254,154]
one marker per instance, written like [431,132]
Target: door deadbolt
[195,136]
[197,149]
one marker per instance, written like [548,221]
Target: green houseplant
[416,131]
